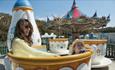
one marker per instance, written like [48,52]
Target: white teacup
[59,46]
[97,57]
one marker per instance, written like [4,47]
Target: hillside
[5,20]
[52,26]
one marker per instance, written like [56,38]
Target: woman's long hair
[19,33]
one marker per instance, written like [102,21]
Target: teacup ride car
[99,48]
[59,46]
[68,62]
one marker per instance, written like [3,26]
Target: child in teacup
[77,47]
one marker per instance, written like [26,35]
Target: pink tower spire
[74,9]
[73,13]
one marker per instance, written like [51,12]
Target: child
[77,47]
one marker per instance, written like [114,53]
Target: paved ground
[112,66]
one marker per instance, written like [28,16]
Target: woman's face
[25,28]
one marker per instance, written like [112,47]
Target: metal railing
[3,49]
[110,50]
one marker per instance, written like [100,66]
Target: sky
[49,8]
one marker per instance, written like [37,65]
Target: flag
[95,14]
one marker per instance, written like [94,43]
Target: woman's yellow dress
[21,49]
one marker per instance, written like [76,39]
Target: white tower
[23,9]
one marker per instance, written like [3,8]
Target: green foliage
[107,30]
[60,26]
[5,20]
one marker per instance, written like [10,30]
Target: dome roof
[22,4]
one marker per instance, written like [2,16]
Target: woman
[22,41]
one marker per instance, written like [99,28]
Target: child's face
[76,50]
[79,45]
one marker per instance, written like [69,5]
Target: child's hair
[78,44]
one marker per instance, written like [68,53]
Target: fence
[110,50]
[3,49]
